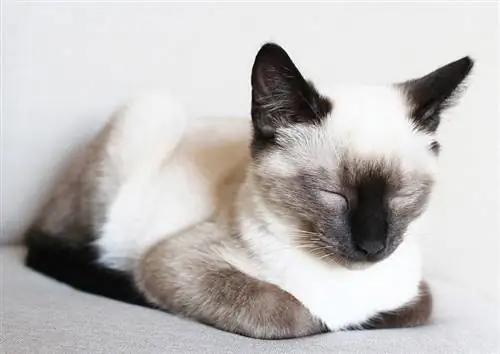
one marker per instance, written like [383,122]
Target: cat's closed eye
[335,199]
[409,200]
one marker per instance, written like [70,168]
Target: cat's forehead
[367,124]
[372,121]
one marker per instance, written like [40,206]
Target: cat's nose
[371,248]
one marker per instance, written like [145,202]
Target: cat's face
[352,166]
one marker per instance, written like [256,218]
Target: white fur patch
[145,132]
[371,122]
[150,208]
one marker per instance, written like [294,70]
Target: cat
[304,222]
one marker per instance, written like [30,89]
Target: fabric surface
[40,315]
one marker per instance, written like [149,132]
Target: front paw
[415,313]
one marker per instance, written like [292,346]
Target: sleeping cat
[305,223]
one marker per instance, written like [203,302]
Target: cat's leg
[416,313]
[146,163]
[188,275]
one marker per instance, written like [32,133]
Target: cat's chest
[342,297]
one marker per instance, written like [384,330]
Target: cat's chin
[357,263]
[347,261]
[357,266]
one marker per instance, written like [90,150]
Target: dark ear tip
[270,45]
[464,64]
[271,51]
[467,59]
[270,55]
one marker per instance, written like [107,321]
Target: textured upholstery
[40,315]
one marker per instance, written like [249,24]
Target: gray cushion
[43,316]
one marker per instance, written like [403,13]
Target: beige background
[67,66]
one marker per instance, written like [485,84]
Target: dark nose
[371,248]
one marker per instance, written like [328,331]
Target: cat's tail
[76,265]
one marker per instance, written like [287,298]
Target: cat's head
[353,166]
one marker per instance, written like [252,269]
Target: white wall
[65,68]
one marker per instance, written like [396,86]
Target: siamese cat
[305,221]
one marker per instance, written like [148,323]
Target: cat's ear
[428,96]
[280,95]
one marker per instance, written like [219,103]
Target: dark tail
[77,267]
